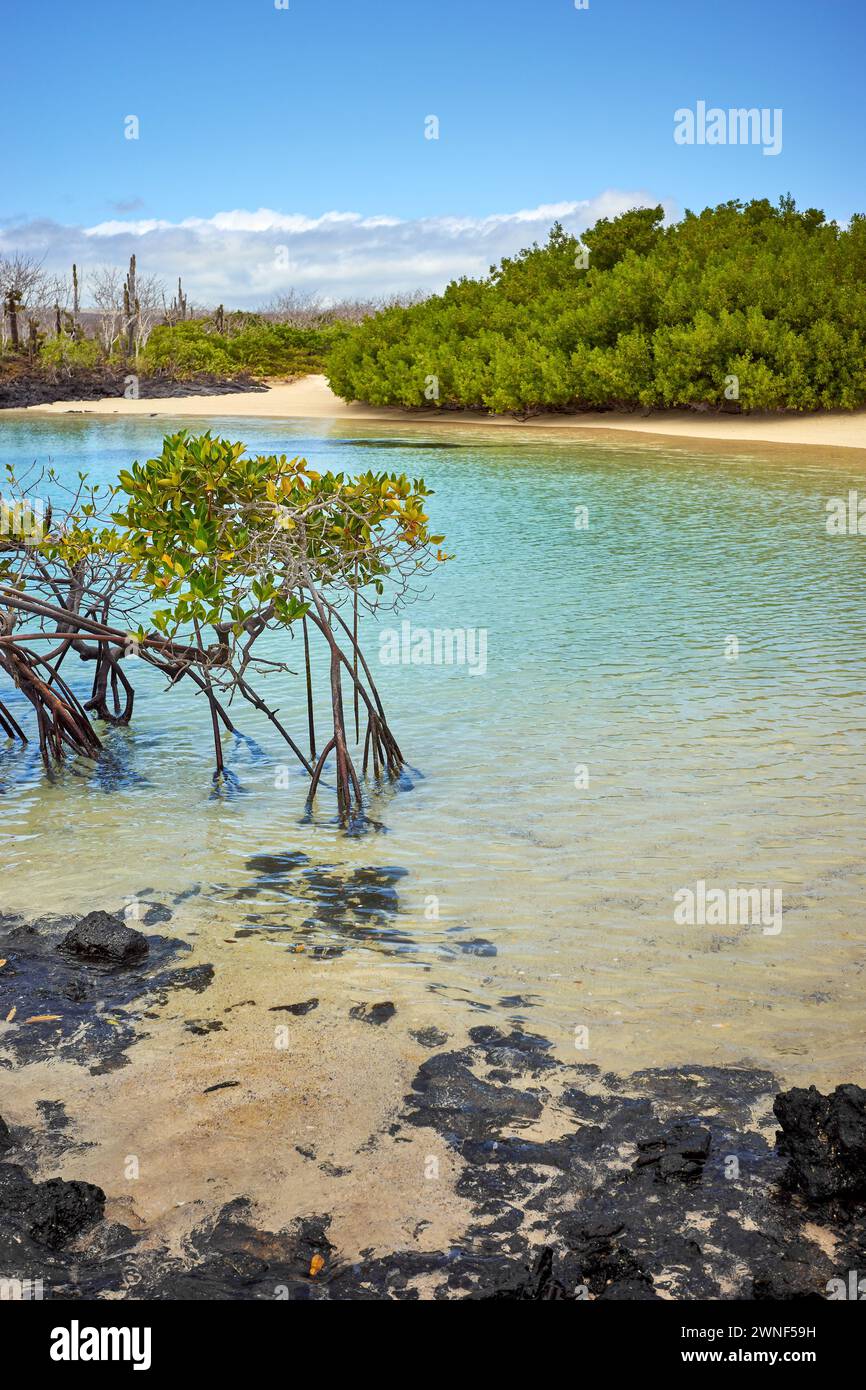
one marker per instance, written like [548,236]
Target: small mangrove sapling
[187,562]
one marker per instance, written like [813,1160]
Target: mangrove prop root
[320,768]
[310,717]
[10,725]
[61,720]
[355,651]
[64,723]
[258,703]
[108,674]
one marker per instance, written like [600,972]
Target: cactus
[131,308]
[177,311]
[11,308]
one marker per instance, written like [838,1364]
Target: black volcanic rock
[94,1003]
[297,1009]
[51,1213]
[429,1037]
[373,1013]
[23,385]
[680,1152]
[101,937]
[451,1099]
[824,1139]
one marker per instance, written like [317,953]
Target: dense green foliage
[248,343]
[754,303]
[240,344]
[70,353]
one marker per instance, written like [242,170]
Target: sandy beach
[311,398]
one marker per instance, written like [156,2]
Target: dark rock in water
[537,1286]
[65,1209]
[478,947]
[580,1216]
[824,1137]
[373,1013]
[661,1186]
[514,1051]
[53,1113]
[99,1001]
[297,1009]
[429,1037]
[101,937]
[658,1184]
[232,1259]
[51,1213]
[531,1044]
[679,1153]
[549,1154]
[345,907]
[156,914]
[53,1235]
[194,977]
[454,1101]
[6,1140]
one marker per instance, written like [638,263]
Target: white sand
[311,398]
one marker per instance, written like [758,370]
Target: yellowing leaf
[43,1018]
[317,1264]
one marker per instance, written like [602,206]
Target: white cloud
[242,258]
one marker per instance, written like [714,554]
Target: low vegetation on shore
[244,343]
[85,335]
[743,307]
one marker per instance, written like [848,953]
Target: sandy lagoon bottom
[493,891]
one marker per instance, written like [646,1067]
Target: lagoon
[612,751]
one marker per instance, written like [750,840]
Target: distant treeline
[101,320]
[747,306]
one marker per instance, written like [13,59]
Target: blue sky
[321,108]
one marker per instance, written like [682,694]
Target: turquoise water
[608,664]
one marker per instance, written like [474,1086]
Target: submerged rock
[453,1100]
[478,946]
[50,1213]
[62,1210]
[101,937]
[373,1013]
[429,1037]
[824,1137]
[587,1210]
[578,1184]
[297,1009]
[91,1004]
[679,1153]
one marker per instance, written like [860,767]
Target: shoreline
[311,398]
[466,1166]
